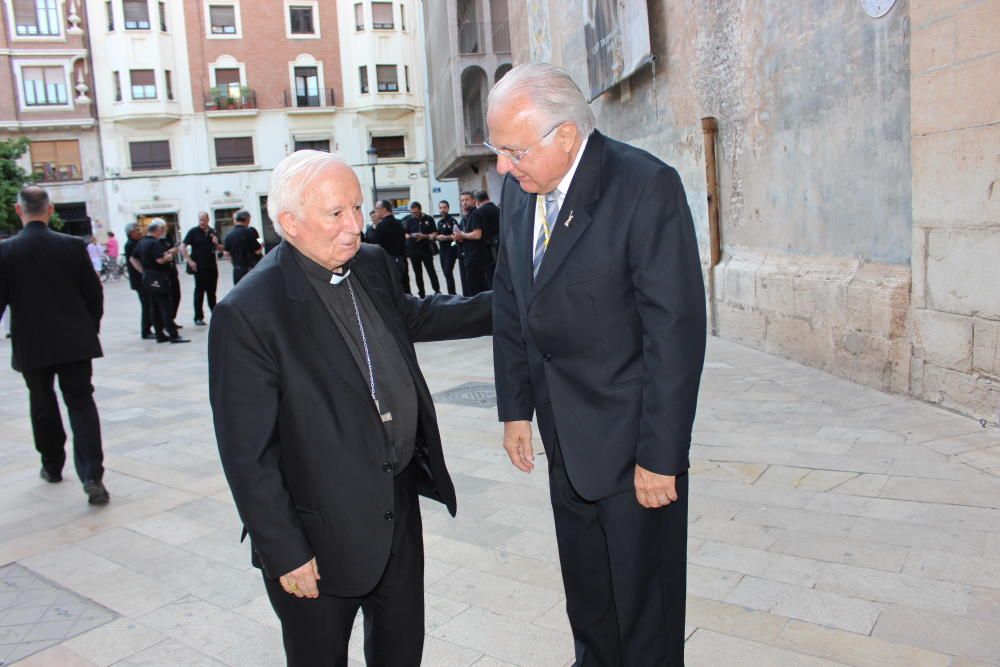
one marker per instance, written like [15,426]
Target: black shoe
[148,336]
[177,326]
[50,477]
[199,323]
[178,339]
[162,339]
[96,493]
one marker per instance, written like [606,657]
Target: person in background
[389,234]
[56,303]
[420,231]
[474,251]
[202,243]
[241,246]
[489,216]
[447,249]
[96,254]
[151,258]
[111,247]
[134,235]
[466,202]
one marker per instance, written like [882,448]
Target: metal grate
[473,394]
[36,614]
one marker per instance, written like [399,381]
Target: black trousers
[238,273]
[205,282]
[175,295]
[46,423]
[624,568]
[316,632]
[475,276]
[463,276]
[447,256]
[145,317]
[419,263]
[404,272]
[161,307]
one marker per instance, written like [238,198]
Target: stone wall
[956,204]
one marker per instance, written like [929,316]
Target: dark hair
[445,202]
[384,204]
[481,195]
[465,192]
[242,215]
[415,204]
[33,200]
[111,235]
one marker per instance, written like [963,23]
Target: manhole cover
[36,614]
[473,394]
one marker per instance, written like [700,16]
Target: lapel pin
[569,219]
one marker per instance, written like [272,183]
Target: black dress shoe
[199,323]
[178,339]
[148,336]
[177,326]
[49,476]
[96,493]
[162,339]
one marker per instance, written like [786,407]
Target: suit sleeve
[440,317]
[670,295]
[515,398]
[90,288]
[244,390]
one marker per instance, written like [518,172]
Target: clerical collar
[319,272]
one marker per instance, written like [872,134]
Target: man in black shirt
[203,243]
[467,203]
[489,214]
[448,252]
[241,245]
[475,253]
[388,232]
[135,280]
[420,230]
[150,258]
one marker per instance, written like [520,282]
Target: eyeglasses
[518,155]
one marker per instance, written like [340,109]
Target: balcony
[312,102]
[50,172]
[223,100]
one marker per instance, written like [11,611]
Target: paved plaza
[830,524]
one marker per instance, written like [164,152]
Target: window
[116,79]
[301,20]
[149,155]
[312,145]
[359,16]
[143,84]
[382,16]
[163,17]
[136,14]
[388,78]
[227,80]
[110,11]
[363,72]
[402,17]
[44,86]
[168,84]
[222,19]
[406,76]
[34,18]
[389,146]
[55,160]
[307,87]
[233,151]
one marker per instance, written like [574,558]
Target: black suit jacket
[301,442]
[55,297]
[606,344]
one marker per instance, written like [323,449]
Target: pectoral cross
[386,416]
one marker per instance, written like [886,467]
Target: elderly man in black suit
[325,424]
[56,304]
[600,335]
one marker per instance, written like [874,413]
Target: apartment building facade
[199,99]
[46,94]
[468,51]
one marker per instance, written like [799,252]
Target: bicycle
[111,270]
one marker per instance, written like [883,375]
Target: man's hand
[653,490]
[193,265]
[517,442]
[301,582]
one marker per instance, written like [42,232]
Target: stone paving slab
[830,524]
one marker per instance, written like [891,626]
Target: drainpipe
[710,129]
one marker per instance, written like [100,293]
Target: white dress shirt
[563,188]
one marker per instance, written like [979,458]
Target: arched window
[474,91]
[503,69]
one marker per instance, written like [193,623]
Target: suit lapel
[574,215]
[321,330]
[523,219]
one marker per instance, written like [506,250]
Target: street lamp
[372,160]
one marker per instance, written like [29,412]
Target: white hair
[551,92]
[291,178]
[156,223]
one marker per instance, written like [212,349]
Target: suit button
[547,357]
[386,467]
[387,516]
